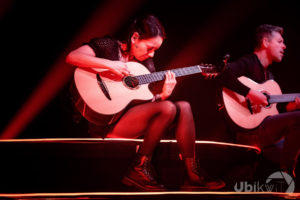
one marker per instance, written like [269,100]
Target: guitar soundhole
[268,97]
[131,82]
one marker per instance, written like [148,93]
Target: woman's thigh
[137,119]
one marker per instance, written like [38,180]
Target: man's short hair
[265,30]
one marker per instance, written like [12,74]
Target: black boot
[142,176]
[198,179]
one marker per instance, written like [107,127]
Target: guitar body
[101,97]
[237,108]
[97,105]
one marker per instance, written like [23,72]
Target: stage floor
[155,195]
[82,168]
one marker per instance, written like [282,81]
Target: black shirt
[108,48]
[248,66]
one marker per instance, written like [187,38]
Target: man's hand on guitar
[295,105]
[169,85]
[119,68]
[257,100]
[297,102]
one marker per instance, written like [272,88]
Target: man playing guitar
[269,48]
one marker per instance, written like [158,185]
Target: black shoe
[202,185]
[198,179]
[142,176]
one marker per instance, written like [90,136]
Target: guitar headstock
[209,71]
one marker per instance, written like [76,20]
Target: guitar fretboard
[283,98]
[158,76]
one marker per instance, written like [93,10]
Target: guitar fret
[158,76]
[179,72]
[142,79]
[283,98]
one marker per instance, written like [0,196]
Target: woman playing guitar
[151,119]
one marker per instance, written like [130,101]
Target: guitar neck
[283,98]
[158,76]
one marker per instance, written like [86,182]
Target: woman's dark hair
[265,30]
[147,26]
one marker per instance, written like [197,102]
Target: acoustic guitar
[240,110]
[105,96]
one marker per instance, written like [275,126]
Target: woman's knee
[168,109]
[184,106]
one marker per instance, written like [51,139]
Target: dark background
[35,33]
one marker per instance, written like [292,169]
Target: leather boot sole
[132,183]
[201,188]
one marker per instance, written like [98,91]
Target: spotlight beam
[106,19]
